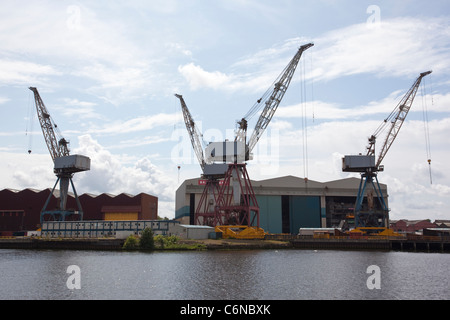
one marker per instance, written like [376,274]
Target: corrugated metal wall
[121,216]
[304,212]
[270,213]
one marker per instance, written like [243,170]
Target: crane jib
[274,99]
[393,123]
[399,117]
[271,100]
[56,147]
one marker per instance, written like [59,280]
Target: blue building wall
[304,212]
[182,212]
[270,213]
[300,212]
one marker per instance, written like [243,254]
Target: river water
[223,275]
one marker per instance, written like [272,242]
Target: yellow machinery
[240,232]
[374,231]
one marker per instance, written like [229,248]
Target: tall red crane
[65,165]
[233,201]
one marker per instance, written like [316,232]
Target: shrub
[167,242]
[131,243]
[160,240]
[147,242]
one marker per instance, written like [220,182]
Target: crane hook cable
[304,120]
[29,123]
[426,129]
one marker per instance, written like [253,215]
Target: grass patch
[172,243]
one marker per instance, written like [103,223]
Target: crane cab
[227,152]
[72,164]
[358,163]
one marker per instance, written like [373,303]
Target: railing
[287,237]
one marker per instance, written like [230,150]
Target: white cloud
[199,78]
[143,123]
[399,47]
[320,110]
[21,171]
[77,109]
[109,175]
[145,141]
[75,41]
[24,72]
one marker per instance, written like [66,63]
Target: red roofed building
[411,226]
[21,210]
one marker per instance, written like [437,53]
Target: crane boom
[57,148]
[194,135]
[271,102]
[397,117]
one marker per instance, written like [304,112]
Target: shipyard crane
[233,201]
[368,166]
[211,172]
[65,165]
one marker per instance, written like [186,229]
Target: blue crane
[368,166]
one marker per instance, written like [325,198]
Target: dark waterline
[224,275]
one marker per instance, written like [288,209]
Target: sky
[107,72]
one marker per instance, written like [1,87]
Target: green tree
[147,242]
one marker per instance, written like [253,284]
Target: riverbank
[236,244]
[117,244]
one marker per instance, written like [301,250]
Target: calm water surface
[243,275]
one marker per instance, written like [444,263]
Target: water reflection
[223,275]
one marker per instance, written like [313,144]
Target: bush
[167,242]
[131,243]
[147,242]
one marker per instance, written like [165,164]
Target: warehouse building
[21,210]
[286,203]
[106,229]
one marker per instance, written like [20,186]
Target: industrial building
[122,229]
[21,210]
[287,203]
[109,229]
